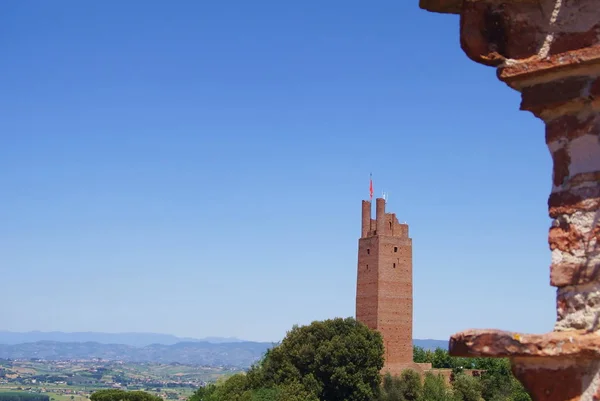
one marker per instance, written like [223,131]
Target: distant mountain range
[431,344]
[142,347]
[133,339]
[235,355]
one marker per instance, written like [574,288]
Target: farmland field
[76,380]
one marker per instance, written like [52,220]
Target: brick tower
[384,294]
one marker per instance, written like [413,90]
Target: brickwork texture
[384,295]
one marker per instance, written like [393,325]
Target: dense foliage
[340,360]
[333,360]
[464,387]
[120,395]
[495,382]
[22,396]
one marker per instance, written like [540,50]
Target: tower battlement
[383,224]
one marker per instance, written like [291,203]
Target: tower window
[368,251]
[395,249]
[390,225]
[394,265]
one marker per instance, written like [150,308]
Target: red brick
[572,126]
[560,166]
[565,238]
[554,383]
[441,6]
[516,73]
[490,33]
[567,41]
[551,95]
[573,200]
[384,284]
[582,178]
[500,344]
[565,274]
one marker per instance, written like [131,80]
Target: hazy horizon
[234,339]
[109,332]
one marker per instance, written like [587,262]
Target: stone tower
[384,293]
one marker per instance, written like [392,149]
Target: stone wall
[549,51]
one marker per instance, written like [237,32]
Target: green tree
[121,395]
[466,388]
[205,393]
[419,355]
[295,392]
[232,389]
[263,394]
[441,359]
[406,387]
[435,388]
[333,360]
[336,359]
[22,396]
[518,392]
[411,385]
[288,392]
[391,390]
[459,364]
[498,382]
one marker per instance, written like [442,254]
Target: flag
[371,186]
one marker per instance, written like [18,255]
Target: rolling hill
[142,347]
[133,339]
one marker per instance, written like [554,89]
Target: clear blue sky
[197,167]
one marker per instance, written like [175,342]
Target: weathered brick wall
[367,282]
[384,284]
[395,307]
[549,50]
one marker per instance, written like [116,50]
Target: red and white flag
[371,186]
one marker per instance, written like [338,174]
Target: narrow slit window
[368,251]
[395,249]
[394,265]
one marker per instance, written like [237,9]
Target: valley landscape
[71,370]
[77,379]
